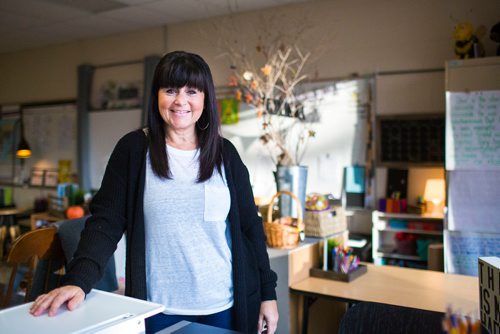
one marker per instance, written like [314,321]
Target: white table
[101,312]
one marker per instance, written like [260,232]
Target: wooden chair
[31,249]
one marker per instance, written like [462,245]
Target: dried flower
[233,81]
[266,70]
[237,95]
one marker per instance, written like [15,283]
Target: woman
[182,194]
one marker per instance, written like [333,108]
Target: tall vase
[293,179]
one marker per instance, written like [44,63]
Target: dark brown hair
[175,70]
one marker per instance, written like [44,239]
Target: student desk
[414,288]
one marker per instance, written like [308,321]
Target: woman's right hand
[51,301]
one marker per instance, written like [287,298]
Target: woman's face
[181,107]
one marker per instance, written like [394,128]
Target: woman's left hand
[268,315]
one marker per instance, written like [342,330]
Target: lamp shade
[434,190]
[23,149]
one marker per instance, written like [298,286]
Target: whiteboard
[473,130]
[51,132]
[462,250]
[105,129]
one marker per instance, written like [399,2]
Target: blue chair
[69,233]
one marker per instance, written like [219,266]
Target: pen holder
[339,276]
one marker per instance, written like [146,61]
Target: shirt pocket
[217,201]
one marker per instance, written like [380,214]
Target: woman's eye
[192,91]
[169,91]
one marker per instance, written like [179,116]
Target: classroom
[368,133]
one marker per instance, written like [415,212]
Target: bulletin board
[411,140]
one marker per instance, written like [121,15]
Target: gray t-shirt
[188,243]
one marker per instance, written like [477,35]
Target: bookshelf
[418,230]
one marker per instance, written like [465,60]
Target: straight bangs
[183,73]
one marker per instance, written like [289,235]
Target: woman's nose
[180,98]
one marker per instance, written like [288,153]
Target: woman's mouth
[179,111]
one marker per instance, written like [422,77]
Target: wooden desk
[420,289]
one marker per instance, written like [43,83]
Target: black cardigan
[118,207]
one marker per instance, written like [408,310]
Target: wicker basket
[324,223]
[285,231]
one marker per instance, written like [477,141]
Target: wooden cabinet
[403,239]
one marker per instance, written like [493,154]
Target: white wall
[50,73]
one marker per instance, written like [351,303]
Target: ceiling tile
[34,23]
[13,22]
[186,10]
[96,25]
[142,17]
[40,9]
[135,2]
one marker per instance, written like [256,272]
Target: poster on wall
[462,250]
[473,130]
[473,200]
[229,110]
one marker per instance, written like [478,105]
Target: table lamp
[435,192]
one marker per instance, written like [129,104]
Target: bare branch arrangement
[267,80]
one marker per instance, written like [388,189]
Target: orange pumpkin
[75,211]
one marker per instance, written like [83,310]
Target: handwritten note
[473,130]
[462,250]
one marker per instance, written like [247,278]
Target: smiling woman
[196,243]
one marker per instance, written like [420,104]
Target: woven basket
[324,223]
[283,232]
